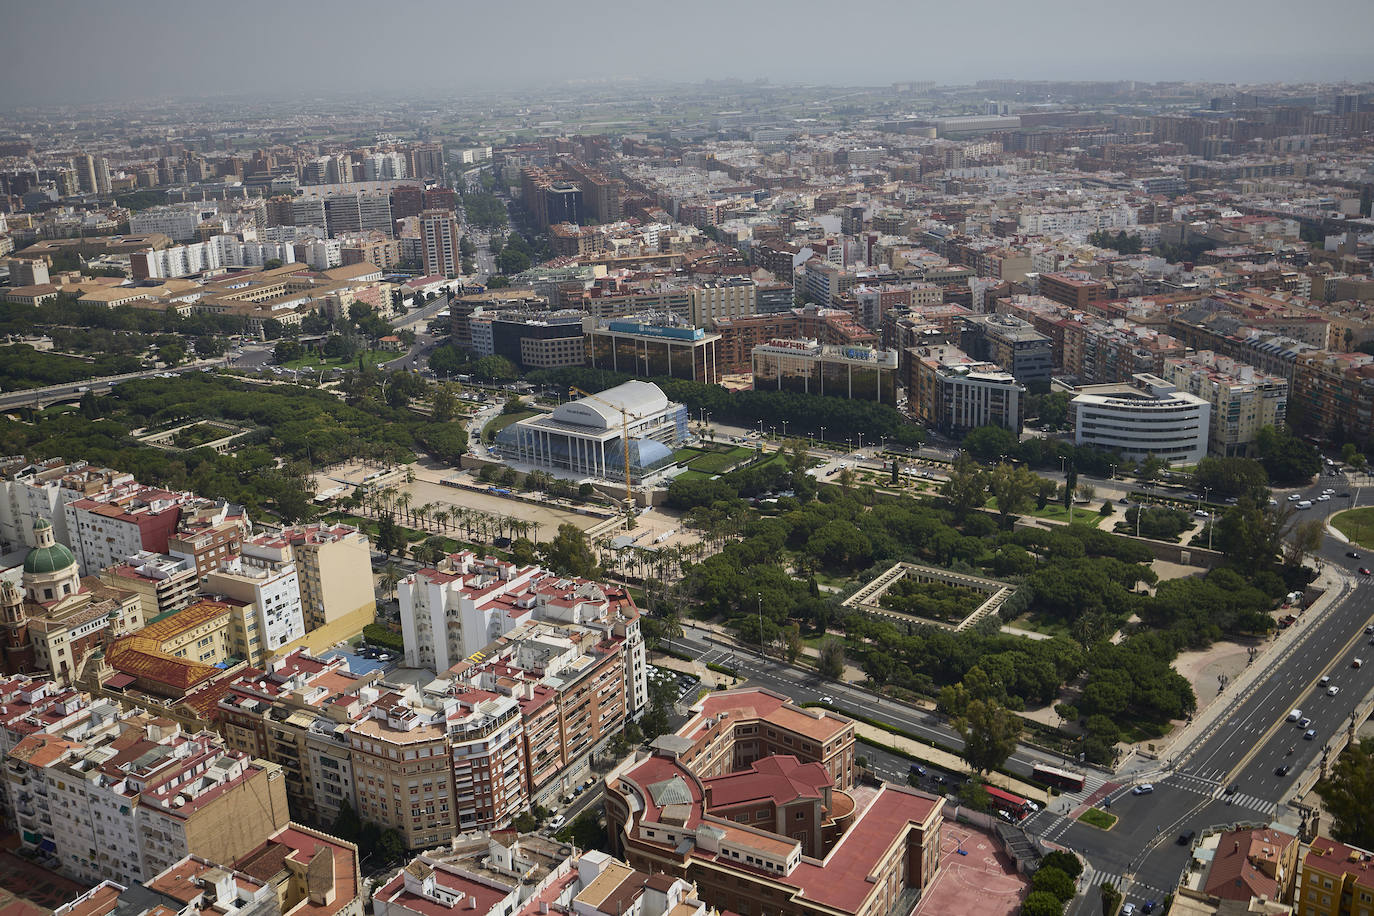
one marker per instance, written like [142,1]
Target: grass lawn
[1356,524]
[1096,817]
[1055,512]
[719,462]
[1047,625]
[688,455]
[316,361]
[693,475]
[502,421]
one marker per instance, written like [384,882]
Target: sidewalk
[1333,586]
[950,763]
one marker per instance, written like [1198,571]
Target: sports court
[981,882]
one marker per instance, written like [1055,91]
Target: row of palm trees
[445,517]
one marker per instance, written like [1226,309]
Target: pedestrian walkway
[1131,889]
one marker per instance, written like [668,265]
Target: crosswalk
[1129,887]
[1213,789]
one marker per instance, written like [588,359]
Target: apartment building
[1075,289]
[455,610]
[208,534]
[722,300]
[809,367]
[1011,343]
[120,522]
[402,771]
[479,874]
[334,568]
[439,236]
[272,590]
[1150,416]
[295,870]
[1334,879]
[1243,399]
[875,850]
[296,713]
[127,805]
[162,582]
[41,489]
[954,393]
[37,706]
[1334,393]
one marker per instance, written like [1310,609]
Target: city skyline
[444,51]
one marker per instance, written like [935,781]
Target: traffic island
[1096,817]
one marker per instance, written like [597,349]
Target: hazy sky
[90,50]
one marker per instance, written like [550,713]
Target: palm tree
[422,513]
[403,503]
[391,575]
[441,517]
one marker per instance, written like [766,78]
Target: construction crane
[624,442]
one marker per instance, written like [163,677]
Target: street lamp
[784,429]
[760,597]
[822,435]
[861,441]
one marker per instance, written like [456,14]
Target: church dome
[52,559]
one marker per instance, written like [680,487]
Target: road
[41,397]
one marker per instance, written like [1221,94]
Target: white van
[1304,504]
[1295,715]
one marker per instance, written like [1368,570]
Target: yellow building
[1334,880]
[199,633]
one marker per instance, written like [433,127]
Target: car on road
[1332,690]
[919,770]
[1231,789]
[1305,723]
[1294,497]
[827,699]
[1186,837]
[1326,679]
[1353,554]
[1364,570]
[1128,909]
[1309,734]
[1143,789]
[1283,770]
[1203,513]
[1324,497]
[557,821]
[1149,907]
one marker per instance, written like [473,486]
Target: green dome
[48,559]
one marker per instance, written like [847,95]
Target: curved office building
[1149,417]
[585,437]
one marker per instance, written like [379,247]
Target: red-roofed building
[1253,863]
[109,527]
[124,803]
[1334,880]
[875,850]
[314,874]
[782,795]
